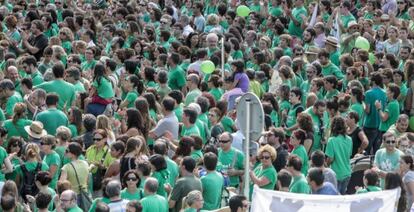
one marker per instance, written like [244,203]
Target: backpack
[28,186]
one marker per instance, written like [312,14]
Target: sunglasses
[15,145]
[390,142]
[132,179]
[97,139]
[224,141]
[266,157]
[43,143]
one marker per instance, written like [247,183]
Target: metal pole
[246,150]
[222,58]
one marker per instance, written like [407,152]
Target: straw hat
[352,24]
[312,50]
[36,130]
[332,41]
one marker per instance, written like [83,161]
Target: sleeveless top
[126,163]
[356,142]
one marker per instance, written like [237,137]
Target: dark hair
[376,78]
[168,103]
[160,147]
[177,96]
[354,115]
[136,84]
[101,207]
[295,162]
[371,176]
[191,114]
[338,126]
[408,159]
[15,139]
[89,122]
[297,92]
[75,148]
[132,171]
[357,92]
[316,175]
[119,146]
[394,89]
[300,135]
[393,180]
[135,120]
[318,158]
[52,99]
[158,161]
[184,146]
[152,101]
[144,167]
[43,177]
[58,70]
[236,202]
[8,202]
[284,177]
[136,205]
[188,163]
[43,199]
[210,161]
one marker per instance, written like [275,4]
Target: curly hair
[269,149]
[338,126]
[305,122]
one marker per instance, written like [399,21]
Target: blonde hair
[68,33]
[32,151]
[269,149]
[19,111]
[212,19]
[63,133]
[104,123]
[191,198]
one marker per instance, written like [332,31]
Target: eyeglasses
[65,200]
[224,141]
[131,179]
[390,142]
[265,157]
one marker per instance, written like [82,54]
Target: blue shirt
[372,120]
[327,189]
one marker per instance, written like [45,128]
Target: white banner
[276,201]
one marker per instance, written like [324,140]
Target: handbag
[84,200]
[99,174]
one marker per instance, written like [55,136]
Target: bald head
[151,185]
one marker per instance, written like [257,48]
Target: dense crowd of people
[130,105]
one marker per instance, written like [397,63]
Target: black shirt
[39,42]
[281,158]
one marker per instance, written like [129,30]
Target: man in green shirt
[73,76]
[231,159]
[331,45]
[296,19]
[193,92]
[189,118]
[188,182]
[30,67]
[299,183]
[319,121]
[370,182]
[68,201]
[390,115]
[52,118]
[152,202]
[64,90]
[346,16]
[212,183]
[328,68]
[9,95]
[348,39]
[160,147]
[176,75]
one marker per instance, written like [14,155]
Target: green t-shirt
[291,116]
[303,155]
[16,129]
[232,159]
[79,87]
[3,155]
[212,184]
[197,155]
[30,166]
[317,134]
[334,57]
[51,119]
[296,30]
[192,130]
[393,110]
[339,149]
[88,65]
[138,195]
[67,46]
[359,108]
[346,19]
[299,185]
[372,120]
[12,100]
[163,177]
[173,169]
[37,78]
[387,162]
[64,90]
[96,201]
[270,173]
[331,94]
[73,130]
[53,159]
[332,69]
[176,78]
[192,96]
[369,189]
[154,203]
[104,88]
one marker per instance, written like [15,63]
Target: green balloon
[362,43]
[411,123]
[243,11]
[207,67]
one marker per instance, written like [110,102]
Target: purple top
[243,81]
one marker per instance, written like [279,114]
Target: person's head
[7,88]
[194,199]
[58,70]
[158,162]
[168,104]
[315,178]
[134,206]
[284,179]
[338,126]
[63,134]
[406,163]
[267,154]
[210,161]
[42,200]
[43,178]
[102,207]
[117,149]
[370,177]
[74,150]
[298,137]
[238,203]
[151,186]
[113,189]
[225,140]
[29,64]
[402,123]
[8,202]
[99,138]
[393,180]
[294,164]
[187,165]
[52,100]
[389,141]
[393,91]
[68,199]
[403,143]
[295,96]
[318,159]
[48,143]
[131,179]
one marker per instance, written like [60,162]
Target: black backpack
[28,186]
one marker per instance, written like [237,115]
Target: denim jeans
[374,138]
[342,185]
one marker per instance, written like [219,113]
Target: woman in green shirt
[297,141]
[42,181]
[131,191]
[75,121]
[161,173]
[264,175]
[193,201]
[214,83]
[51,158]
[133,87]
[402,11]
[15,126]
[274,115]
[15,147]
[66,36]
